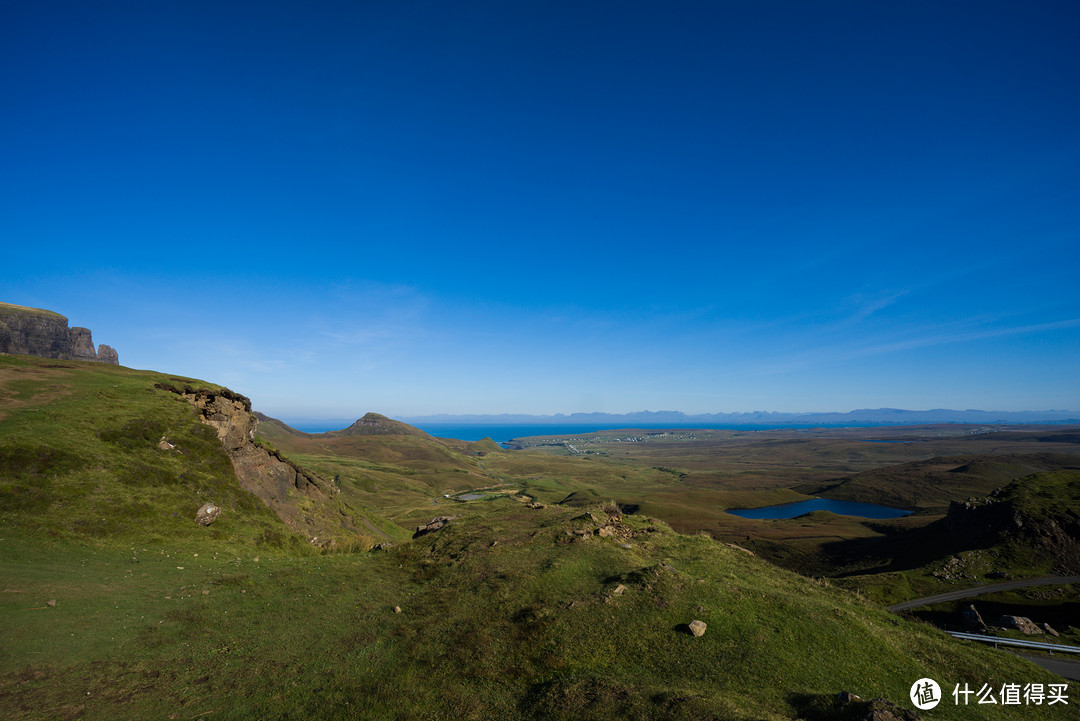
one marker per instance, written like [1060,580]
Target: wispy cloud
[840,353]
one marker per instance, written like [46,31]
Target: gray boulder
[207,514]
[1021,624]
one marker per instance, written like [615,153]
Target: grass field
[115,605]
[504,616]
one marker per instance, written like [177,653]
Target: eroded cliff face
[305,502]
[43,333]
[1001,518]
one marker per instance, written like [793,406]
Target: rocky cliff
[1039,514]
[305,502]
[43,333]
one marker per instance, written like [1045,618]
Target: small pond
[471,496]
[843,508]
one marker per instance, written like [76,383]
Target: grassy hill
[82,459]
[516,614]
[572,611]
[96,452]
[932,484]
[1028,528]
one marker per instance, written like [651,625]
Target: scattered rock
[397,609]
[51,603]
[164,444]
[586,516]
[618,590]
[207,514]
[697,627]
[1020,623]
[972,620]
[605,532]
[845,697]
[625,545]
[1050,630]
[433,525]
[534,504]
[382,546]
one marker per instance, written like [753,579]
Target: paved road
[979,590]
[1066,669]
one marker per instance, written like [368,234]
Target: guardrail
[1051,647]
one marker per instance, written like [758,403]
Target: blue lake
[843,508]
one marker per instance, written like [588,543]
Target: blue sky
[541,207]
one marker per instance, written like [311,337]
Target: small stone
[697,627]
[397,609]
[206,593]
[606,532]
[619,590]
[51,602]
[1050,630]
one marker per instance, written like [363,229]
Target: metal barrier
[1051,647]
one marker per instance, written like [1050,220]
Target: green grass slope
[81,458]
[932,484]
[514,614]
[92,452]
[114,604]
[1029,528]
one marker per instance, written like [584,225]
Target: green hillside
[117,605]
[82,459]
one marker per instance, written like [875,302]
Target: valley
[379,572]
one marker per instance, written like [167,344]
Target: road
[980,590]
[1065,669]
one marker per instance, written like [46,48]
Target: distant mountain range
[645,419]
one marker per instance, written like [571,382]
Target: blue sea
[503,432]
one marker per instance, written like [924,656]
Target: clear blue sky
[538,207]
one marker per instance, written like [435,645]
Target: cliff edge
[305,502]
[43,333]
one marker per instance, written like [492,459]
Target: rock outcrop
[43,333]
[303,500]
[1022,624]
[433,525]
[973,620]
[1036,512]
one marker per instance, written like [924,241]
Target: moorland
[378,572]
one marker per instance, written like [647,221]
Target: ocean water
[501,433]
